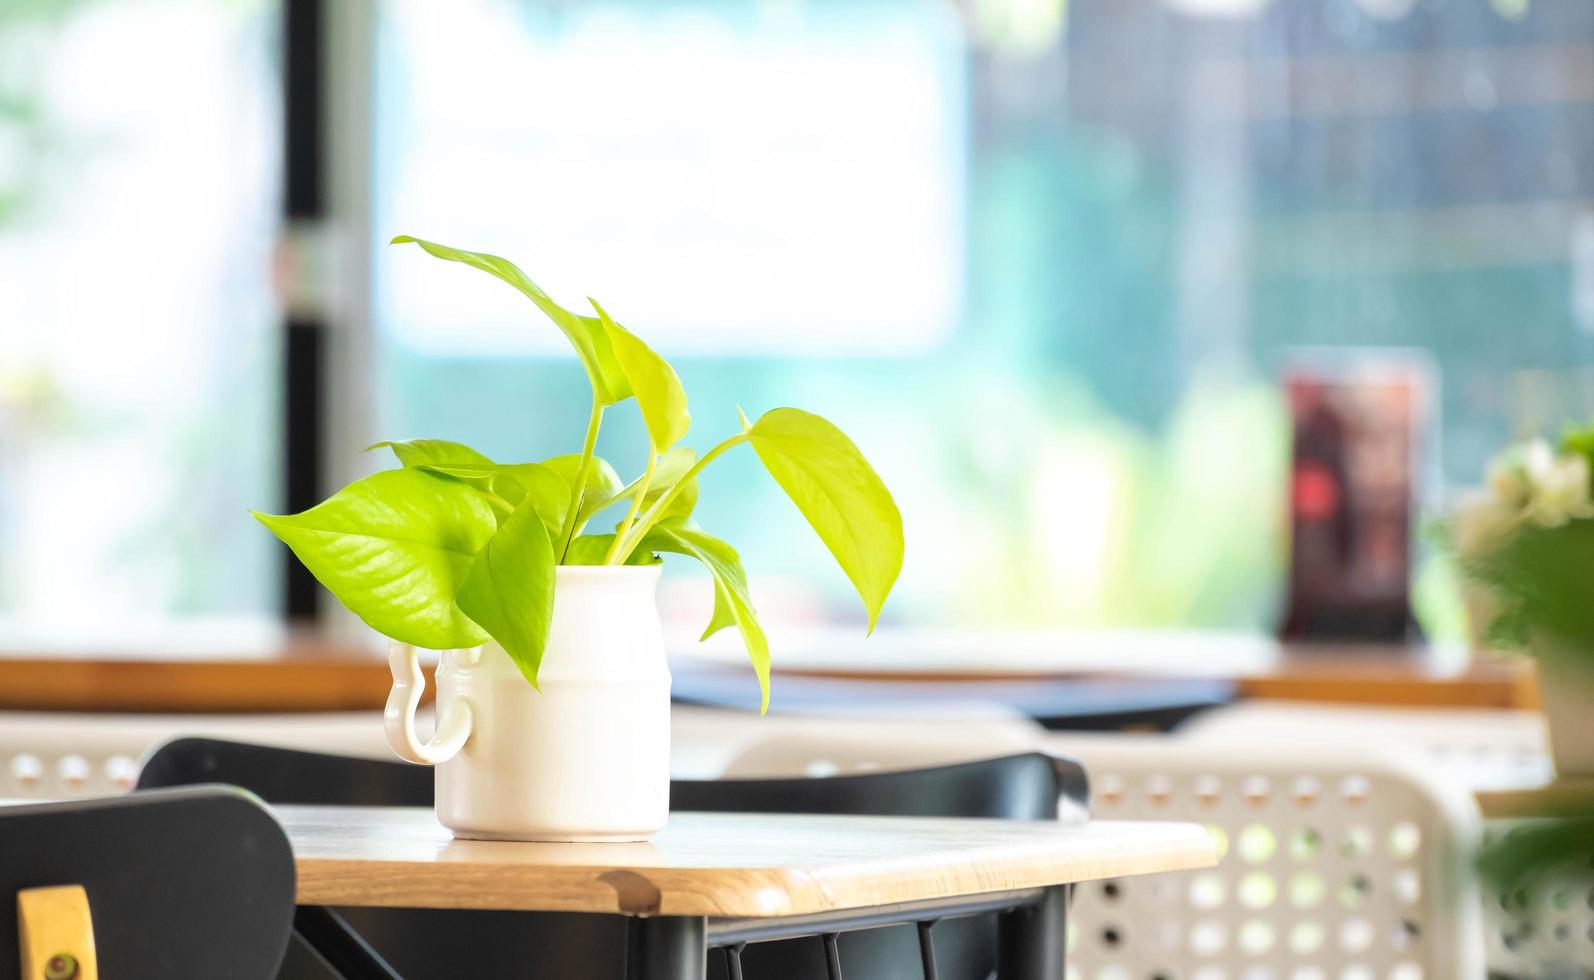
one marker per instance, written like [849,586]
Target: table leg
[1032,941]
[666,947]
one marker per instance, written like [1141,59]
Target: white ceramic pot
[586,758]
[1566,688]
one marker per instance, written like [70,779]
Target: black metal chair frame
[1031,938]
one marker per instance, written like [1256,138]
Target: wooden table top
[310,673]
[717,864]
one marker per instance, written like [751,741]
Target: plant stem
[579,491]
[641,529]
[636,506]
[497,501]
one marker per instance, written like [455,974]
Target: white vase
[1566,689]
[587,757]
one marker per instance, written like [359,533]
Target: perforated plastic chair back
[1481,748]
[1338,865]
[195,882]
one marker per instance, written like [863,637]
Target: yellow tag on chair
[56,933]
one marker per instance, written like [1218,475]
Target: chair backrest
[280,775]
[1015,787]
[1024,786]
[1344,864]
[195,882]
[1482,748]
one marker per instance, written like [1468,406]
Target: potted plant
[1526,546]
[553,693]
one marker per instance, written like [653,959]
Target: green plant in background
[454,548]
[1527,546]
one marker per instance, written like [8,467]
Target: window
[1044,261]
[138,199]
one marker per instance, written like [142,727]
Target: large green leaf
[657,388]
[394,548]
[432,452]
[509,589]
[585,333]
[843,498]
[732,603]
[517,483]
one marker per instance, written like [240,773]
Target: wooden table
[1260,666]
[309,673]
[713,879]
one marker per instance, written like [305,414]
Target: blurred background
[1047,261]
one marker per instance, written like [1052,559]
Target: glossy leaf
[394,548]
[839,493]
[432,452]
[602,483]
[732,603]
[657,388]
[681,506]
[592,549]
[588,549]
[671,466]
[508,590]
[516,483]
[585,333]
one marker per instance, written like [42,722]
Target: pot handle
[453,716]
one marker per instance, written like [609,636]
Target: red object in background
[1316,494]
[1358,423]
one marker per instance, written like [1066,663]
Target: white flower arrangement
[1530,484]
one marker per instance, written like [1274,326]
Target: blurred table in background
[1259,666]
[299,675]
[314,674]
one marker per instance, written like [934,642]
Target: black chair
[422,944]
[194,882]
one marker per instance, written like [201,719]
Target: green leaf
[394,548]
[413,453]
[509,589]
[1554,844]
[732,603]
[517,483]
[602,483]
[657,388]
[681,506]
[588,549]
[671,466]
[585,333]
[839,493]
[592,549]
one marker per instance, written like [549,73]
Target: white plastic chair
[1339,864]
[1542,931]
[51,755]
[1482,748]
[45,755]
